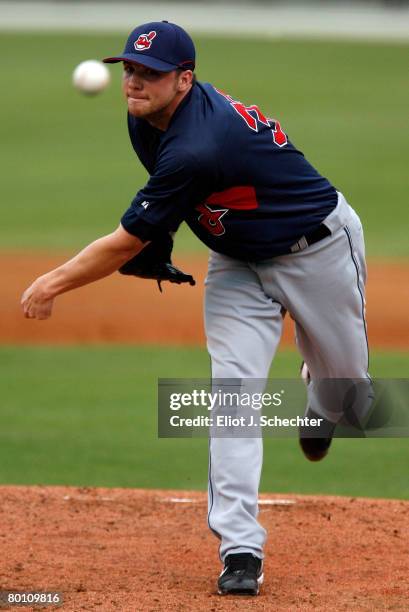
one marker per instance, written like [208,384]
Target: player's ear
[185,78]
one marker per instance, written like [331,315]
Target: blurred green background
[87,415]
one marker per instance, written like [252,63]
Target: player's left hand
[35,302]
[154,262]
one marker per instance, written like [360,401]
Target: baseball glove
[154,262]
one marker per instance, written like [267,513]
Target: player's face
[151,94]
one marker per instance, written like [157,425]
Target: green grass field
[69,171]
[88,416]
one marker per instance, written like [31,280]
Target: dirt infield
[134,550]
[121,309]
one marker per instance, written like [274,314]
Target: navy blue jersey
[231,173]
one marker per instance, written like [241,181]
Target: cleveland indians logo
[211,219]
[144,41]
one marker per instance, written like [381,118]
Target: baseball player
[281,239]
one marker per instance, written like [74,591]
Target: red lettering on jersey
[244,111]
[257,111]
[235,198]
[278,135]
[211,219]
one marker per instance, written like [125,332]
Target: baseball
[91,77]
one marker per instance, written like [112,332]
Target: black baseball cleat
[242,575]
[315,449]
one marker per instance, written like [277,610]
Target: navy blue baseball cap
[159,45]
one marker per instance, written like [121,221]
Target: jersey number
[246,113]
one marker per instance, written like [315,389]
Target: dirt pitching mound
[123,309]
[117,549]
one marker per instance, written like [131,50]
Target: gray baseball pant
[322,288]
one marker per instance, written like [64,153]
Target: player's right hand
[35,302]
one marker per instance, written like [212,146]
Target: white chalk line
[262,502]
